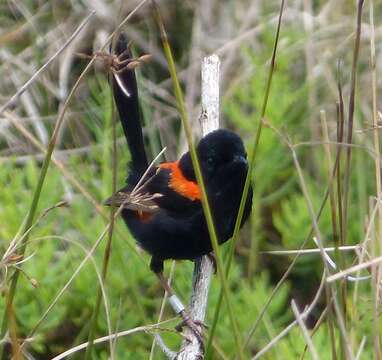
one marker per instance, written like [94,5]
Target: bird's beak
[240,159]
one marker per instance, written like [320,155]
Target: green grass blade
[107,252]
[248,178]
[199,177]
[37,194]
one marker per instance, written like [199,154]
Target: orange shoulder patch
[180,184]
[144,216]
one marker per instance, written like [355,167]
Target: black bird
[171,223]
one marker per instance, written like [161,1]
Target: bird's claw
[196,326]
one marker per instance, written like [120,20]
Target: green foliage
[293,223]
[250,297]
[60,240]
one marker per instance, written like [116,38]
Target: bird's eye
[210,161]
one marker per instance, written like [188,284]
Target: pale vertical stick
[203,267]
[210,94]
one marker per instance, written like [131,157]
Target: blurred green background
[315,37]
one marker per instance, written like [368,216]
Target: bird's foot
[195,326]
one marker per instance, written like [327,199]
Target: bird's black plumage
[177,229]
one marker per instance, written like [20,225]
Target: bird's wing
[133,201]
[164,187]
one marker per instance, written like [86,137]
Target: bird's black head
[216,151]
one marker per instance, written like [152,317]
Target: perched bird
[171,224]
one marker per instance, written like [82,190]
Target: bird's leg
[196,326]
[156,265]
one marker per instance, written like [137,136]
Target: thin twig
[308,339]
[353,269]
[311,251]
[307,238]
[147,328]
[361,347]
[303,315]
[92,260]
[169,353]
[19,92]
[161,312]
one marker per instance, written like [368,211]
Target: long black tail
[126,99]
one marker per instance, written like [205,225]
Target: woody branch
[203,270]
